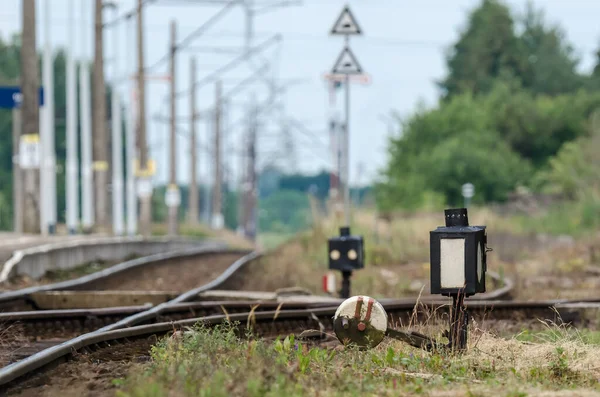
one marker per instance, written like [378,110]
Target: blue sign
[11,97]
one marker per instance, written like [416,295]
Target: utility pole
[17,176]
[48,175]
[346,149]
[117,142]
[217,216]
[130,142]
[346,64]
[251,188]
[87,185]
[193,186]
[173,198]
[146,188]
[30,117]
[72,184]
[99,132]
[242,190]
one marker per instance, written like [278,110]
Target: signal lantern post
[346,254]
[458,265]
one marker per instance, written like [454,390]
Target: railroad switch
[346,254]
[458,254]
[362,321]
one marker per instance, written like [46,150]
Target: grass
[216,362]
[202,231]
[397,257]
[397,254]
[576,218]
[82,270]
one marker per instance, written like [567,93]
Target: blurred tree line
[283,205]
[514,111]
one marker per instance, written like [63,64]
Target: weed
[217,362]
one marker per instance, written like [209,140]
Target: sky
[402,51]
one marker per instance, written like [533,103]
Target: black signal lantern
[346,251]
[346,254]
[458,256]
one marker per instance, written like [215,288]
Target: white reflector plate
[452,262]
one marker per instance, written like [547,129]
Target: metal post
[459,320]
[87,187]
[347,153]
[217,216]
[251,221]
[130,147]
[50,152]
[345,292]
[193,186]
[117,143]
[99,130]
[145,201]
[30,116]
[72,177]
[46,121]
[17,174]
[173,206]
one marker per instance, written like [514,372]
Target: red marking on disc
[369,308]
[359,303]
[361,326]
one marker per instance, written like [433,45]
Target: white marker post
[87,187]
[72,177]
[468,191]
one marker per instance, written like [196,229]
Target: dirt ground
[177,275]
[88,374]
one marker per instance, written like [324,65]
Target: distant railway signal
[346,254]
[346,65]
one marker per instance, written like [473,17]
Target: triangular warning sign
[346,63]
[346,23]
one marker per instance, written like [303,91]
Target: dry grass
[397,257]
[217,363]
[11,338]
[203,231]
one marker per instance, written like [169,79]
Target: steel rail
[271,321]
[183,310]
[24,293]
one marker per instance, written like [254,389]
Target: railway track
[33,331]
[134,341]
[65,333]
[152,273]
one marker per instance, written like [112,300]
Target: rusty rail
[266,322]
[23,295]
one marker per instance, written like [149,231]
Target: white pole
[117,144]
[51,142]
[131,194]
[130,150]
[86,130]
[45,115]
[72,181]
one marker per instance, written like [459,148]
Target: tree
[596,72]
[276,214]
[442,148]
[550,65]
[486,50]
